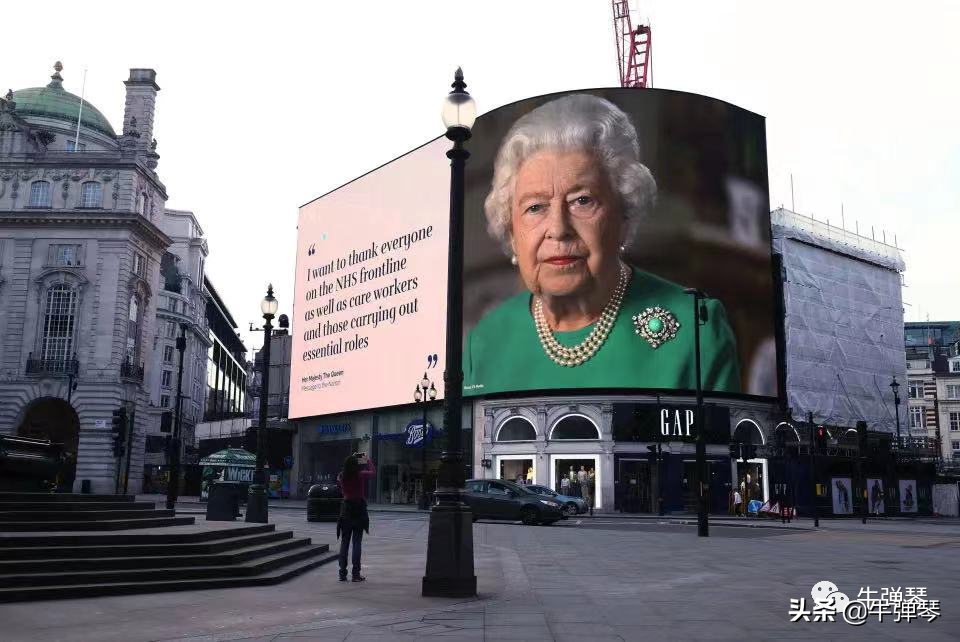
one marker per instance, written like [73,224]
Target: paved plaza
[604,578]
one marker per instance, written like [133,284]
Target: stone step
[122,560]
[7,496]
[145,539]
[95,551]
[103,525]
[30,593]
[74,506]
[247,568]
[80,515]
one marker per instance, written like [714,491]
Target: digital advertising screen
[588,215]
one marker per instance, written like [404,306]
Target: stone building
[82,241]
[933,384]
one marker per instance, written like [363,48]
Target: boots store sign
[662,422]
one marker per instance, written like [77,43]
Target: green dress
[503,352]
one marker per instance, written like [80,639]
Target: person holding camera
[354,519]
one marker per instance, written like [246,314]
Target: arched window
[59,321]
[574,427]
[516,429]
[91,195]
[748,432]
[40,194]
[134,318]
[786,434]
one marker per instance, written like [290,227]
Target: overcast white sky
[265,106]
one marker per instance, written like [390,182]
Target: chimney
[141,100]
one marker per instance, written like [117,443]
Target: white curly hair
[575,122]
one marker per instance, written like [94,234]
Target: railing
[131,371]
[52,366]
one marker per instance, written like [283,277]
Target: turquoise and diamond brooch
[656,325]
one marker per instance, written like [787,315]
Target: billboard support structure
[450,571]
[703,524]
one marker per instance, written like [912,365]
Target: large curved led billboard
[588,214]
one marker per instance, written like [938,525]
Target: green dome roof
[53,102]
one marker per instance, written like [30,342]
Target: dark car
[569,505]
[499,499]
[323,502]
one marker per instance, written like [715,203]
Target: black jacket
[354,513]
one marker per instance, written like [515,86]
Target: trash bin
[223,502]
[323,502]
[85,486]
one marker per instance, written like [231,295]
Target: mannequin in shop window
[589,487]
[530,475]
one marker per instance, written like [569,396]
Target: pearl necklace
[583,351]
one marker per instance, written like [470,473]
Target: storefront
[613,440]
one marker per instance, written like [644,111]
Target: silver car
[569,505]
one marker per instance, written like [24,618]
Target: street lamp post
[173,485]
[449,571]
[424,393]
[895,490]
[895,386]
[257,496]
[699,318]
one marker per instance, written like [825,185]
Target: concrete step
[6,496]
[103,525]
[74,506]
[69,552]
[247,568]
[123,560]
[275,576]
[143,539]
[80,515]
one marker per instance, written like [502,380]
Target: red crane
[634,47]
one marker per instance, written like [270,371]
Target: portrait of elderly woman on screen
[567,193]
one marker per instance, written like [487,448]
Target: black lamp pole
[257,510]
[424,393]
[173,485]
[895,489]
[450,571]
[703,524]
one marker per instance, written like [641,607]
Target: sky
[264,107]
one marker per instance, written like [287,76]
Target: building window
[956,446]
[134,321]
[139,264]
[91,194]
[954,421]
[171,330]
[916,417]
[168,354]
[575,427]
[64,255]
[166,378]
[516,429]
[58,323]
[164,401]
[40,194]
[953,391]
[73,146]
[915,391]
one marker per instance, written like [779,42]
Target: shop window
[575,427]
[517,429]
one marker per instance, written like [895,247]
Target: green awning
[236,457]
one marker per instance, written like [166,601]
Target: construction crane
[634,47]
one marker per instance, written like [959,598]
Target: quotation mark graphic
[432,360]
[312,249]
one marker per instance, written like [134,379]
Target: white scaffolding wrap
[843,323]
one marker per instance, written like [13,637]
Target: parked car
[569,505]
[323,502]
[499,499]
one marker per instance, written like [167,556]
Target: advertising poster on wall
[587,214]
[842,496]
[875,496]
[908,495]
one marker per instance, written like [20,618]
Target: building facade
[81,245]
[933,384]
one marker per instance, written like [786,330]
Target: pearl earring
[513,260]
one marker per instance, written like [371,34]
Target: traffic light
[820,435]
[862,437]
[119,424]
[735,450]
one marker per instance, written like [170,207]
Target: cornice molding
[87,218]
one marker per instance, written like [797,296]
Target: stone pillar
[140,104]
